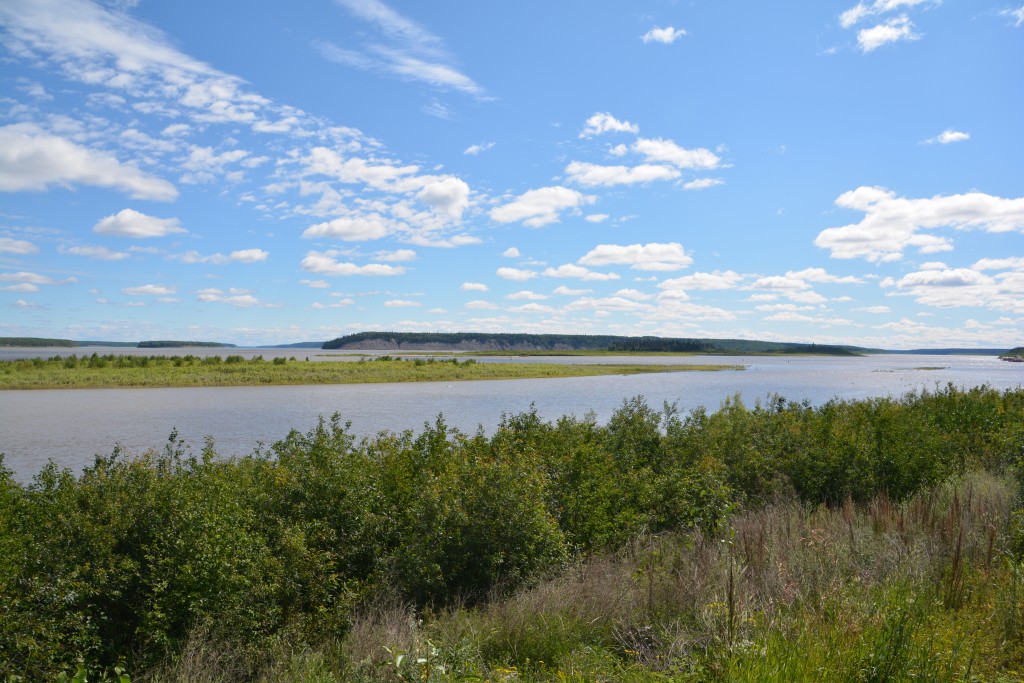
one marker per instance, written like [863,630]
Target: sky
[264,172]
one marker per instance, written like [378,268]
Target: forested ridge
[573,342]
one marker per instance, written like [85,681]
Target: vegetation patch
[875,540]
[113,371]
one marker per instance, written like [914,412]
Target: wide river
[72,426]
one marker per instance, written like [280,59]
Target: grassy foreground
[876,540]
[97,371]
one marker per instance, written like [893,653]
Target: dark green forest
[581,342]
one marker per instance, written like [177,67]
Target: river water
[72,426]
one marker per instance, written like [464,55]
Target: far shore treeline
[514,342]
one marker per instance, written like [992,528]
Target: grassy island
[875,540]
[112,371]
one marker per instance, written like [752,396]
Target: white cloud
[603,122]
[474,287]
[239,298]
[10,245]
[358,229]
[396,256]
[652,256]
[821,275]
[633,294]
[536,208]
[959,287]
[525,295]
[21,287]
[571,270]
[516,274]
[33,160]
[667,151]
[480,304]
[401,303]
[325,263]
[315,284]
[1010,262]
[424,240]
[877,310]
[412,52]
[447,195]
[149,290]
[24,277]
[666,35]
[1017,15]
[511,252]
[947,136]
[900,28]
[609,304]
[562,290]
[891,224]
[596,218]
[531,308]
[595,175]
[477,149]
[861,10]
[96,252]
[703,183]
[131,223]
[249,255]
[703,281]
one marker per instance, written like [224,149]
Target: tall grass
[112,371]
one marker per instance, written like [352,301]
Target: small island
[122,371]
[1014,355]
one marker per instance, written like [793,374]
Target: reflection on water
[71,426]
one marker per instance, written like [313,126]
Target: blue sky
[267,172]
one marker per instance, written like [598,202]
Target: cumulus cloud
[480,304]
[9,245]
[703,281]
[516,274]
[239,298]
[892,224]
[603,122]
[562,290]
[473,150]
[666,151]
[357,229]
[596,175]
[447,195]
[326,263]
[666,35]
[596,218]
[891,31]
[525,295]
[511,252]
[947,136]
[96,252]
[474,287]
[249,255]
[652,256]
[396,256]
[703,183]
[149,290]
[536,208]
[132,223]
[571,270]
[31,159]
[402,303]
[959,287]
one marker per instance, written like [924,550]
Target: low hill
[513,343]
[172,344]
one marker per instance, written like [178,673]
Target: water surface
[72,426]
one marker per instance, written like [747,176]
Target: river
[72,426]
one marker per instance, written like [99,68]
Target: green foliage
[136,554]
